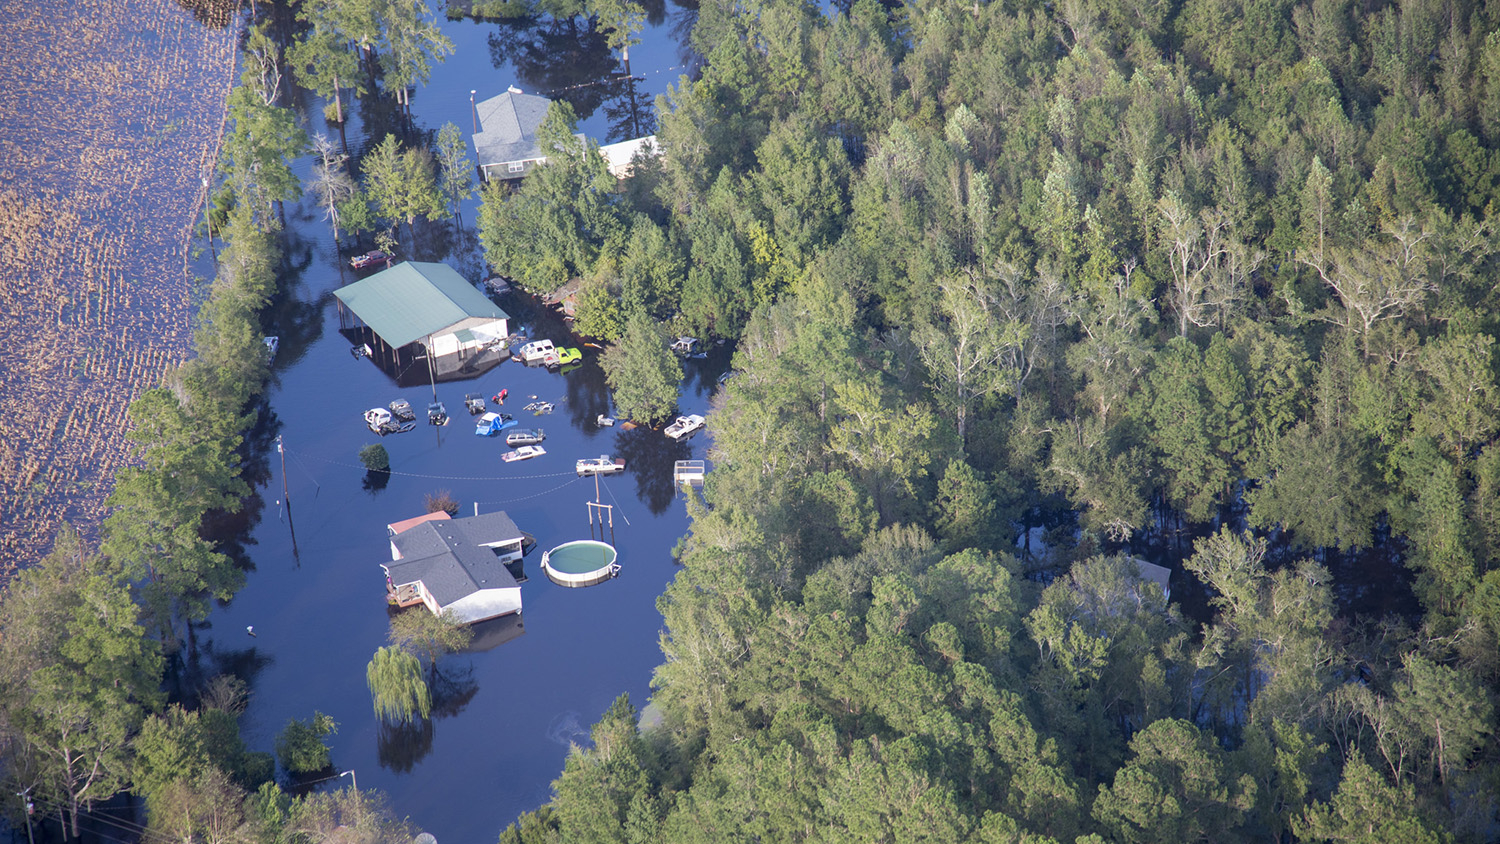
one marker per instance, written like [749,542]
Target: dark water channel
[508,711]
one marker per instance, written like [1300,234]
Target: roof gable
[508,127]
[413,300]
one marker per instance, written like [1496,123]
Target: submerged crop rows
[112,114]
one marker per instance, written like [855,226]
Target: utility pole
[208,222]
[30,807]
[473,114]
[285,496]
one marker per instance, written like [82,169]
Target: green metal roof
[412,300]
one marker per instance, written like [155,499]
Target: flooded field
[112,113]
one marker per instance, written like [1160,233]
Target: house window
[516,166]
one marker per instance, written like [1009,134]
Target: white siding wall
[486,603]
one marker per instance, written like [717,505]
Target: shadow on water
[650,455]
[399,747]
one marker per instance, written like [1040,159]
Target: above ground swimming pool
[584,562]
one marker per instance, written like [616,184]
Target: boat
[493,423]
[525,436]
[369,259]
[272,345]
[539,407]
[525,452]
[382,422]
[601,465]
[685,426]
[605,421]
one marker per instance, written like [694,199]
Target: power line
[438,477]
[118,824]
[529,497]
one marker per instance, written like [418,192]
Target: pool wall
[570,565]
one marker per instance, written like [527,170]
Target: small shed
[688,473]
[456,565]
[1153,573]
[430,305]
[621,156]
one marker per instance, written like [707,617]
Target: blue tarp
[493,423]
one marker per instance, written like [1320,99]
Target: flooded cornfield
[111,114]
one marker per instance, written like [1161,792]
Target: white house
[456,565]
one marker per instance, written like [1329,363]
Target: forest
[1022,294]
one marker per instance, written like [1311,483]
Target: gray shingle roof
[449,564]
[412,300]
[508,125]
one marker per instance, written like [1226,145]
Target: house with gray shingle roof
[506,143]
[456,565]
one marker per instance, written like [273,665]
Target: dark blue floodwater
[508,712]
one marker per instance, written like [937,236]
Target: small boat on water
[525,436]
[685,426]
[273,344]
[601,465]
[525,452]
[605,421]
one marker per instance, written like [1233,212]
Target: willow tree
[397,686]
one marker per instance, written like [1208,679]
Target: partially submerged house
[417,309]
[456,565]
[506,143]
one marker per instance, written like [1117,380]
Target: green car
[567,356]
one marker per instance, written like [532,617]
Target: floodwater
[508,711]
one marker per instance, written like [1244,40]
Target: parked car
[369,259]
[525,452]
[525,436]
[536,350]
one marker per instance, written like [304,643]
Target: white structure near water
[455,565]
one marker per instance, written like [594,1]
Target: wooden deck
[403,596]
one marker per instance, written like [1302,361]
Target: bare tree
[1379,282]
[330,180]
[1210,268]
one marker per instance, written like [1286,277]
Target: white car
[536,350]
[525,452]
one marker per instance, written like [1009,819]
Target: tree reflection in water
[557,53]
[649,456]
[399,747]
